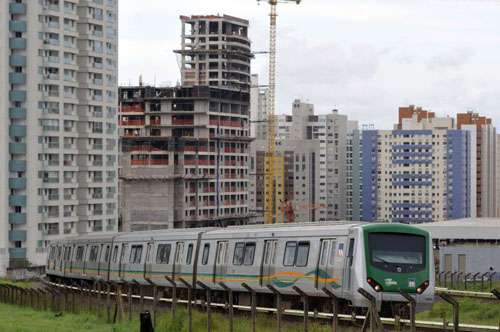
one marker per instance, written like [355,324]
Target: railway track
[394,324]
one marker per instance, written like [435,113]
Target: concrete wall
[478,258]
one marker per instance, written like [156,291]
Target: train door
[268,262]
[326,260]
[179,253]
[148,262]
[60,258]
[103,260]
[221,255]
[122,265]
[348,267]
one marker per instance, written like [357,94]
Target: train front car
[398,257]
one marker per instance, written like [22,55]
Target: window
[332,252]
[115,254]
[135,254]
[244,253]
[238,253]
[290,249]
[189,255]
[106,253]
[94,252]
[178,252]
[296,254]
[249,253]
[79,253]
[302,254]
[206,252]
[163,253]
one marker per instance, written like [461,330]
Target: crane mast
[270,162]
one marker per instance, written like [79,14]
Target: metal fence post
[474,278]
[253,305]
[108,301]
[230,302]
[372,318]
[482,280]
[174,294]
[492,274]
[189,299]
[278,305]
[335,308]
[455,305]
[209,297]
[412,304]
[305,300]
[155,300]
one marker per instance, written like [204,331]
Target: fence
[467,281]
[121,301]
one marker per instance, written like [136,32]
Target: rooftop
[465,229]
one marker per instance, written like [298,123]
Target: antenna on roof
[140,80]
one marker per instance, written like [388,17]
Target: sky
[363,57]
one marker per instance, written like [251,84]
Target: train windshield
[393,252]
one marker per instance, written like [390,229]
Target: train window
[163,253]
[178,252]
[222,253]
[302,254]
[135,254]
[51,253]
[350,253]
[79,253]
[189,255]
[324,252]
[59,252]
[332,251]
[106,253]
[238,253]
[94,252]
[206,252]
[115,254]
[249,253]
[296,254]
[290,250]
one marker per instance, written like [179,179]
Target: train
[382,258]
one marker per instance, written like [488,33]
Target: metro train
[380,258]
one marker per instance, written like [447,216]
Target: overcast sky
[363,57]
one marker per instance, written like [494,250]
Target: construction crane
[271,120]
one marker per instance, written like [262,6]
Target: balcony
[17,148]
[132,122]
[17,183]
[17,200]
[183,122]
[17,253]
[17,96]
[17,8]
[155,122]
[132,109]
[17,60]
[17,78]
[17,218]
[17,26]
[17,43]
[17,235]
[17,113]
[17,131]
[17,165]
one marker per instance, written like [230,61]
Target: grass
[472,311]
[18,319]
[21,284]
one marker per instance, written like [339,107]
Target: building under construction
[185,149]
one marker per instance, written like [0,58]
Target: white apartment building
[314,150]
[58,90]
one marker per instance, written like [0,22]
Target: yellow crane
[270,162]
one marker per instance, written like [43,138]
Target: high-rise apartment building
[185,149]
[483,155]
[498,175]
[419,173]
[58,89]
[314,150]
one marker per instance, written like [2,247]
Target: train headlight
[423,287]
[375,285]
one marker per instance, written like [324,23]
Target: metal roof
[464,229]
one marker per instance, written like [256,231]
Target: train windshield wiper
[382,260]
